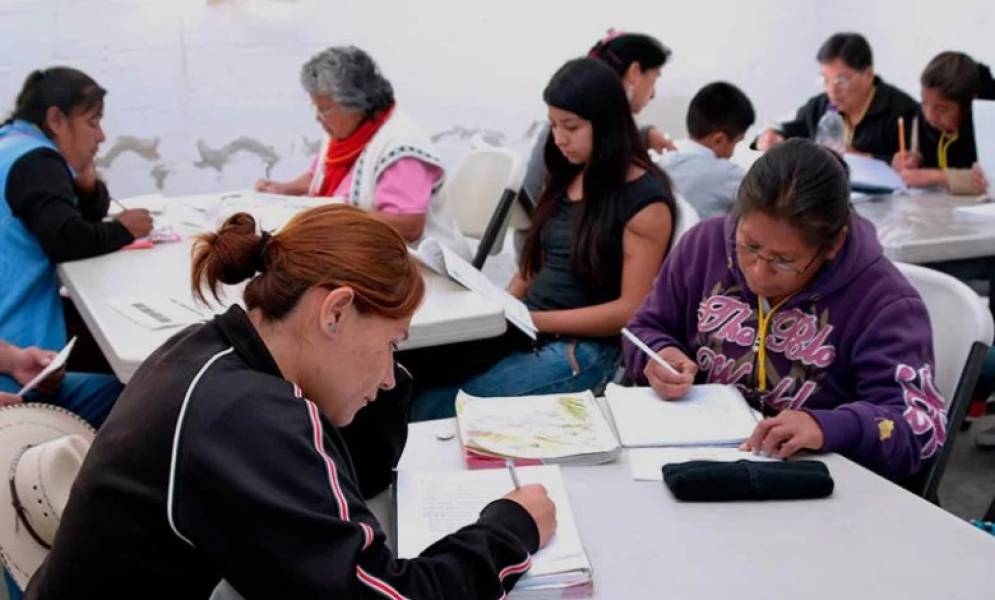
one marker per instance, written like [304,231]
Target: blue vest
[30,307]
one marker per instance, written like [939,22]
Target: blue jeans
[88,395]
[559,366]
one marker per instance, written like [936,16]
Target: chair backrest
[687,217]
[962,330]
[475,188]
[957,317]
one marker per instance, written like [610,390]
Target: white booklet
[442,260]
[708,415]
[431,505]
[566,428]
[868,173]
[57,363]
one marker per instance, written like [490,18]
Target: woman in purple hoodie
[791,299]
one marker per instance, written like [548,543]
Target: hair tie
[260,261]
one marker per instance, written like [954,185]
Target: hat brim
[23,425]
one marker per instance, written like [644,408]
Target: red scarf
[342,154]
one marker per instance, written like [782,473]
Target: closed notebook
[430,505]
[708,415]
[565,428]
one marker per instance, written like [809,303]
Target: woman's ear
[632,74]
[56,122]
[838,244]
[333,309]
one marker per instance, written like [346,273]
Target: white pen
[656,357]
[514,474]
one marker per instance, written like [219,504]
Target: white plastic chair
[962,332]
[481,194]
[957,317]
[687,217]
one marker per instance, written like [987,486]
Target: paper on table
[870,172]
[431,505]
[159,313]
[983,115]
[708,415]
[57,363]
[444,261]
[154,203]
[645,463]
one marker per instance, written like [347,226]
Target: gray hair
[350,77]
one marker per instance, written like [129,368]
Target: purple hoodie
[853,348]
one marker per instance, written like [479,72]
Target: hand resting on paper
[536,502]
[9,399]
[908,160]
[665,383]
[784,435]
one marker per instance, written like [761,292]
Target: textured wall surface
[204,93]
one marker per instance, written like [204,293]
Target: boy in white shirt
[718,117]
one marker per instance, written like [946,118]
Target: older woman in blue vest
[52,208]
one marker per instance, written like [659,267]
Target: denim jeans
[558,366]
[88,395]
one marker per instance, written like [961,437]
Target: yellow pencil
[901,139]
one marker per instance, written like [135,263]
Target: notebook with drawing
[431,505]
[442,260]
[708,415]
[566,429]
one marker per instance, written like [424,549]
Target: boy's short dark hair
[851,48]
[719,106]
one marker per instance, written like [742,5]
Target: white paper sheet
[57,363]
[868,171]
[160,313]
[983,114]
[708,415]
[645,463]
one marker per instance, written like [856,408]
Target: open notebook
[431,505]
[565,428]
[444,261]
[708,415]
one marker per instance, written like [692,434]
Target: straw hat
[41,450]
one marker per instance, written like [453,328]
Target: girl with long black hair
[598,236]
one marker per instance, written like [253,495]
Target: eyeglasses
[322,114]
[840,82]
[748,255]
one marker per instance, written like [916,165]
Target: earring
[332,327]
[629,91]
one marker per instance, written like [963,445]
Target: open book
[432,505]
[708,415]
[872,175]
[567,429]
[442,260]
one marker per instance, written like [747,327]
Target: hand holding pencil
[669,372]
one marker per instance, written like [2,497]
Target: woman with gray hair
[374,156]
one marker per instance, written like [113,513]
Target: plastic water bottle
[831,132]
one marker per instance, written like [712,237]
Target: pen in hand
[646,349]
[514,474]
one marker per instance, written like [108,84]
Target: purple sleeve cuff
[840,429]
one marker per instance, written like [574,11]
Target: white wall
[183,73]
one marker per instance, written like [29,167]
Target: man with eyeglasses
[870,108]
